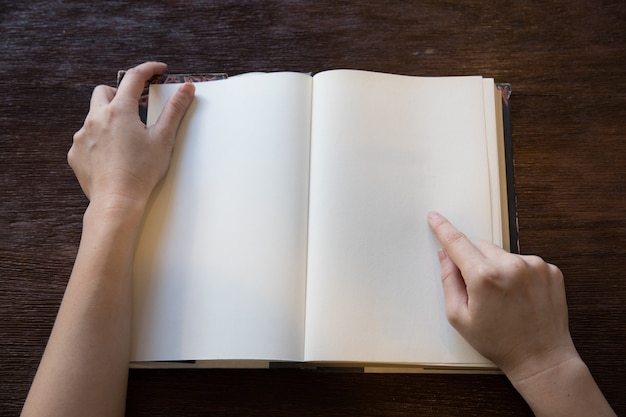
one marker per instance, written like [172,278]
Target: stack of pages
[291,226]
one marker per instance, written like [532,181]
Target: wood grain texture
[566,61]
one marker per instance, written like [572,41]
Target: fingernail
[188,89]
[433,215]
[442,255]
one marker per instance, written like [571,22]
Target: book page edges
[491,139]
[504,206]
[497,164]
[336,367]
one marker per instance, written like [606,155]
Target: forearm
[118,161]
[85,366]
[567,390]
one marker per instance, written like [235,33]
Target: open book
[291,225]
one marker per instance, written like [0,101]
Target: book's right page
[386,149]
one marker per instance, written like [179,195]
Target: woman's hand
[511,308]
[118,162]
[116,158]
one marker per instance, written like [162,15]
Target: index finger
[458,247]
[135,78]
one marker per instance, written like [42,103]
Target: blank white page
[220,267]
[386,149]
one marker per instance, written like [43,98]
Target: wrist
[115,212]
[535,366]
[538,369]
[565,389]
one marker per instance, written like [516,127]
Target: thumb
[174,111]
[454,290]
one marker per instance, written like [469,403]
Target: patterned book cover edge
[168,79]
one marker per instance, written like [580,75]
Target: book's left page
[221,261]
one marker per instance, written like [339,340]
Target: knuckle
[88,126]
[454,315]
[517,264]
[487,273]
[516,271]
[71,157]
[458,318]
[534,261]
[101,88]
[79,136]
[536,265]
[77,141]
[454,237]
[555,273]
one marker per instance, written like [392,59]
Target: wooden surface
[565,59]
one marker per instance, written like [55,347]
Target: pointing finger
[458,247]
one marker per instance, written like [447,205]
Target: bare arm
[512,309]
[118,162]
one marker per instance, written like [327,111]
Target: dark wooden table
[566,61]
